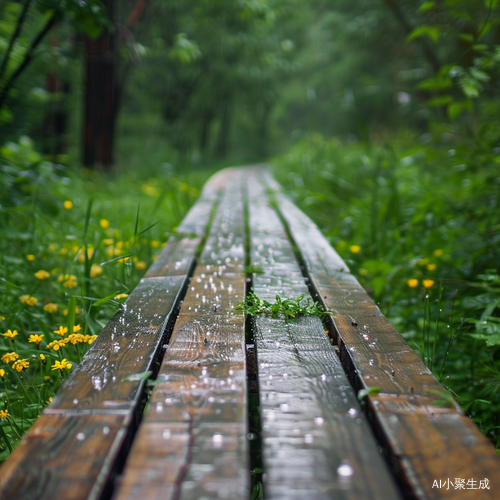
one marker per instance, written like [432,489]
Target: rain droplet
[284,406]
[80,436]
[106,430]
[345,471]
[217,440]
[352,412]
[319,420]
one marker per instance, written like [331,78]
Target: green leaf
[431,32]
[426,6]
[466,37]
[440,100]
[372,391]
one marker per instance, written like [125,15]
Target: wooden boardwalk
[106,435]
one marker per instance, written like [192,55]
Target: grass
[73,245]
[418,226]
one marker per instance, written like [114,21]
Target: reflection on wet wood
[316,442]
[196,424]
[106,379]
[423,431]
[64,457]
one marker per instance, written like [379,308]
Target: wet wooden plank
[66,457]
[421,433]
[196,423]
[106,379]
[316,442]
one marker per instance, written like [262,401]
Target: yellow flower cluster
[68,280]
[41,275]
[74,338]
[28,300]
[95,270]
[10,357]
[50,307]
[20,365]
[4,413]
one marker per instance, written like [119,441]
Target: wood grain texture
[423,430]
[196,424]
[66,457]
[316,441]
[106,379]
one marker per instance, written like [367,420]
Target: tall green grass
[73,244]
[418,225]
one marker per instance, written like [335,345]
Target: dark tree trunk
[100,98]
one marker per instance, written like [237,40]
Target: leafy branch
[290,308]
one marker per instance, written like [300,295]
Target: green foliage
[418,225]
[72,246]
[289,308]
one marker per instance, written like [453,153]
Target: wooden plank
[316,441]
[106,379]
[196,424]
[423,437]
[66,457]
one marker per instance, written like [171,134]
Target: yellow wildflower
[50,307]
[422,262]
[431,267]
[140,265]
[62,331]
[28,300]
[2,373]
[438,253]
[354,248]
[61,365]
[2,317]
[10,334]
[104,223]
[428,283]
[41,275]
[155,244]
[95,270]
[108,241]
[71,282]
[52,247]
[119,244]
[412,283]
[10,357]
[4,413]
[30,257]
[363,271]
[76,328]
[20,365]
[76,338]
[68,205]
[121,296]
[56,345]
[91,339]
[36,339]
[42,357]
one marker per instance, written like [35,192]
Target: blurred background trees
[241,80]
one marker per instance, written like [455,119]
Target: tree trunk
[100,98]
